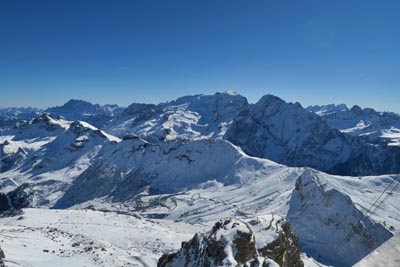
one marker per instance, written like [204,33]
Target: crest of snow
[91,127]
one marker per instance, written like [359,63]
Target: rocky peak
[75,105]
[95,114]
[137,108]
[356,109]
[43,118]
[285,132]
[46,120]
[229,243]
[48,123]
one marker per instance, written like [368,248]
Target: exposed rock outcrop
[285,249]
[2,257]
[229,243]
[12,202]
[232,243]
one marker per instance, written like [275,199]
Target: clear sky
[314,52]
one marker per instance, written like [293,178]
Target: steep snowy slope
[374,127]
[189,117]
[133,166]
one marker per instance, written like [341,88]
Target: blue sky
[314,52]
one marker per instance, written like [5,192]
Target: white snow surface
[387,255]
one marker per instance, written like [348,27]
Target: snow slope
[387,255]
[42,237]
[236,185]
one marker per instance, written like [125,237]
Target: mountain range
[204,158]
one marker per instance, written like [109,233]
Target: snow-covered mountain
[372,126]
[98,115]
[271,128]
[95,114]
[187,118]
[183,165]
[47,154]
[289,134]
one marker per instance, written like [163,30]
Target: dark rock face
[289,134]
[285,249]
[9,161]
[2,257]
[15,200]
